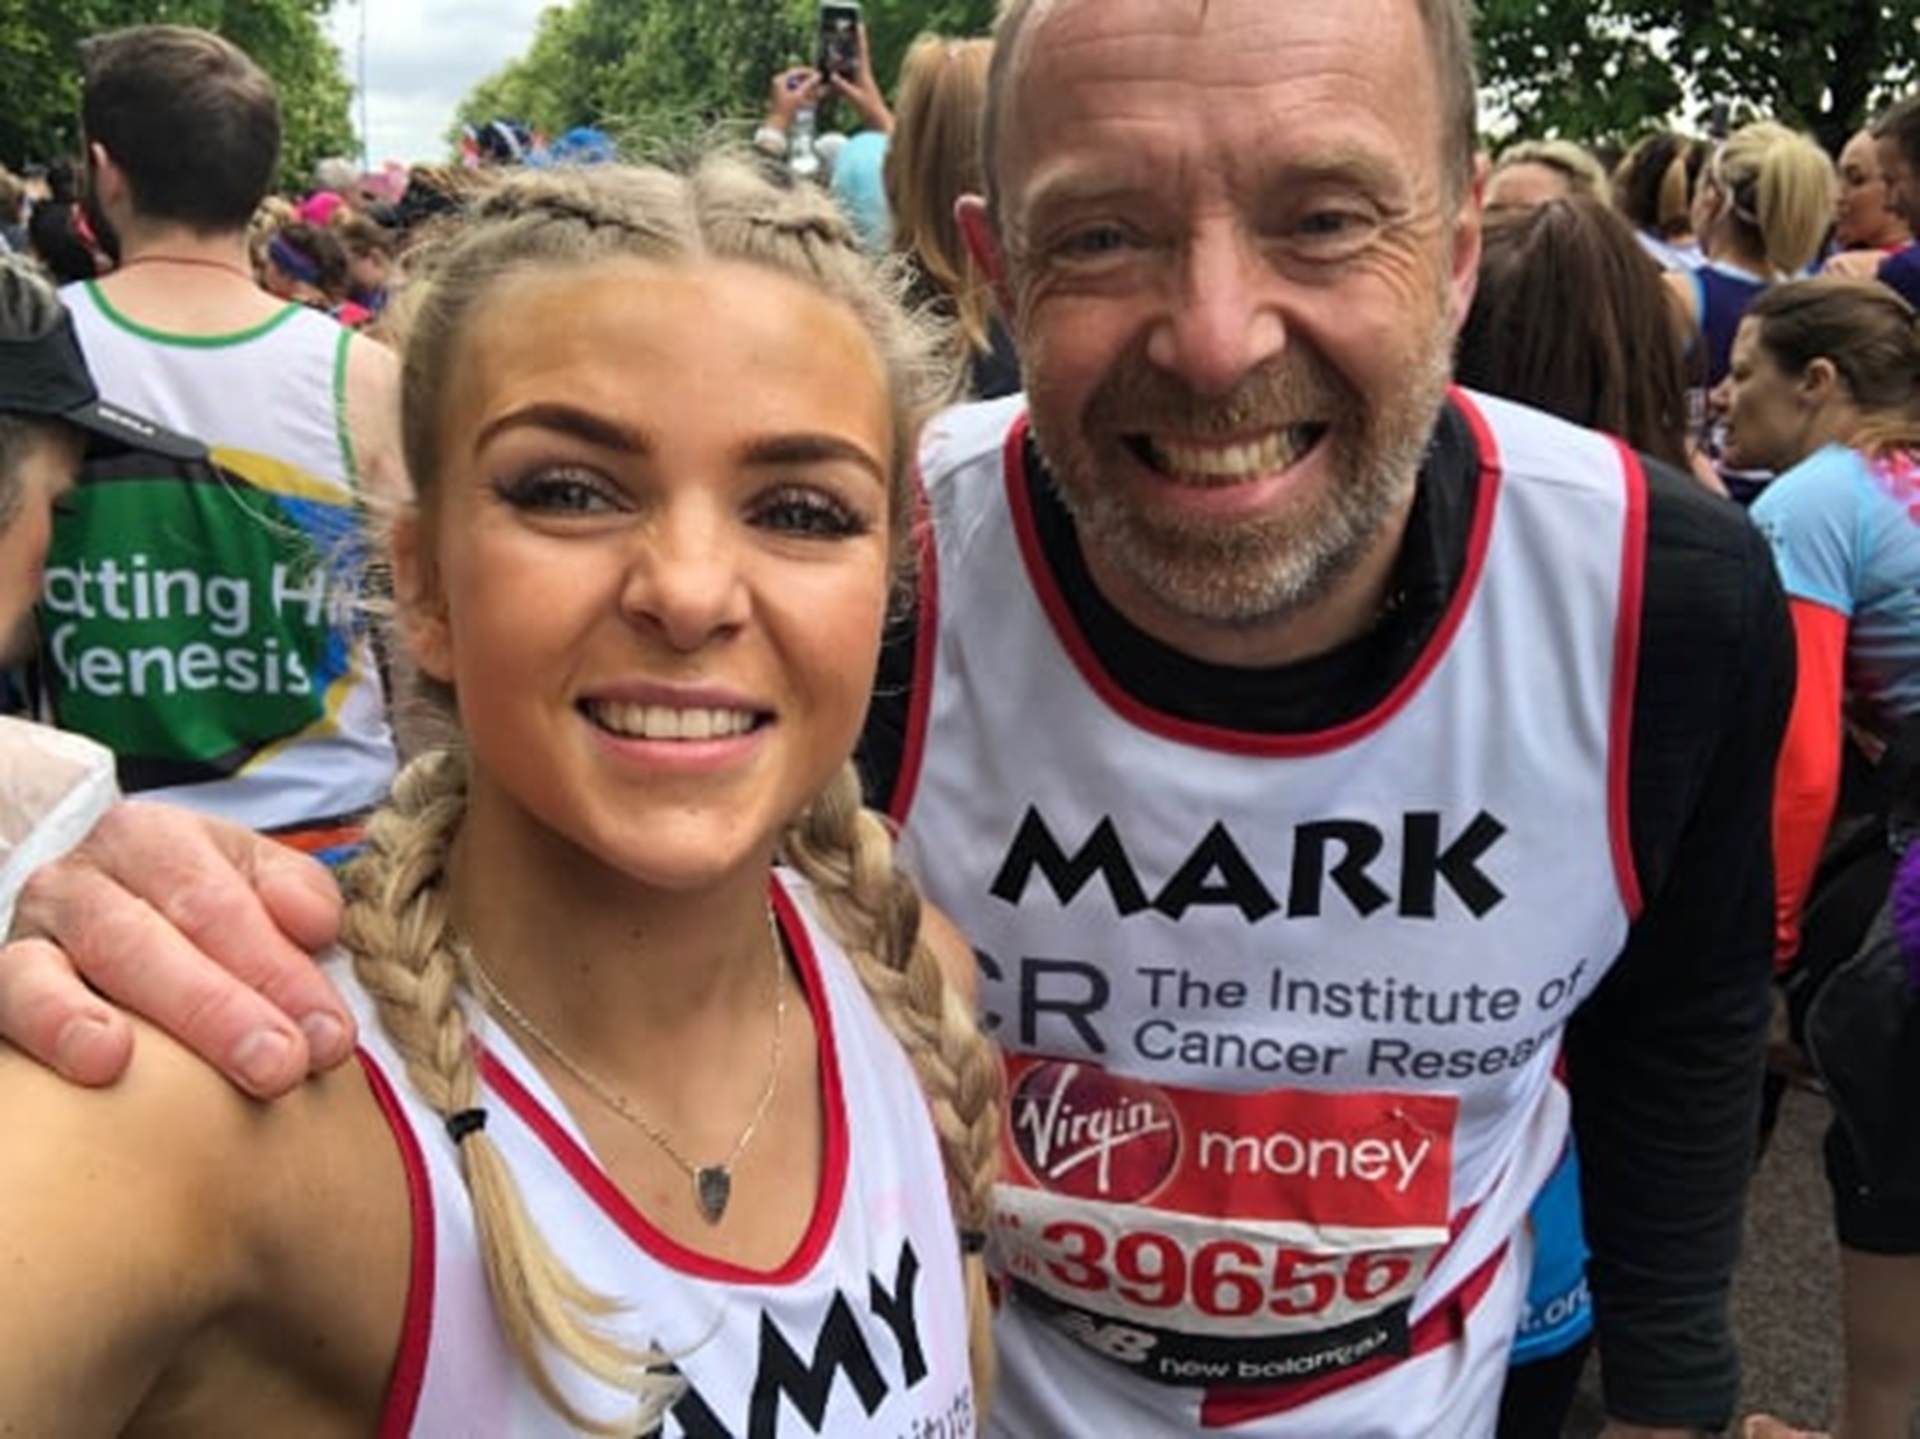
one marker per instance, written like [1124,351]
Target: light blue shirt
[1845,533]
[860,188]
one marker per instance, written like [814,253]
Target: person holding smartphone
[842,67]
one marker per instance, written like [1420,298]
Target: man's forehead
[1111,66]
[1057,41]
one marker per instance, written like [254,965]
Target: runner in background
[201,619]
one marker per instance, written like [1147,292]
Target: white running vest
[201,621]
[862,1332]
[1282,1012]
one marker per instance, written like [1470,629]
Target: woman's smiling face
[654,564]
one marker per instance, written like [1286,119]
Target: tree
[39,68]
[660,74]
[288,39]
[1610,69]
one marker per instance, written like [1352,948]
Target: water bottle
[802,159]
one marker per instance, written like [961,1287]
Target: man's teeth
[1272,452]
[659,722]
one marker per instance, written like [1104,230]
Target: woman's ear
[1821,383]
[420,611]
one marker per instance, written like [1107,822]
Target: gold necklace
[712,1183]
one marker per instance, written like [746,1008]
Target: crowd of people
[1093,762]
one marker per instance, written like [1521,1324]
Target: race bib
[1205,1238]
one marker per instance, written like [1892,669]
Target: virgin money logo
[1084,1132]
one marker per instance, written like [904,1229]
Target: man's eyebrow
[1338,165]
[1082,187]
[1074,187]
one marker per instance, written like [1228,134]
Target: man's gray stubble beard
[1268,570]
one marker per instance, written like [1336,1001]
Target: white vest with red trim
[862,1332]
[1282,1012]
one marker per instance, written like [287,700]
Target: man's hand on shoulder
[203,927]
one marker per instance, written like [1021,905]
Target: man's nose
[1224,318]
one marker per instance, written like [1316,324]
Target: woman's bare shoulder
[144,1220]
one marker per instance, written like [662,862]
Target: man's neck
[155,246]
[182,283]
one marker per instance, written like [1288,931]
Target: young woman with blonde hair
[668,1116]
[1532,172]
[1762,210]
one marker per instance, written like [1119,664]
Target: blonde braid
[873,909]
[406,957]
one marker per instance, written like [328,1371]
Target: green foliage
[1610,69]
[663,73]
[661,70]
[39,69]
[893,24]
[289,40]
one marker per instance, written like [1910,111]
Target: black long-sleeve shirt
[1664,1060]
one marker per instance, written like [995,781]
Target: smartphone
[839,40]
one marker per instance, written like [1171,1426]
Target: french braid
[873,909]
[406,957]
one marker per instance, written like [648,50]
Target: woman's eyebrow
[568,420]
[813,448]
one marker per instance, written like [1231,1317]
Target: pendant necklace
[712,1183]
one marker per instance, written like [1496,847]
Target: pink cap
[318,208]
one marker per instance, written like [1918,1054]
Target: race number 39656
[1224,1278]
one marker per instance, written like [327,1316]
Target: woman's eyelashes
[795,508]
[563,490]
[809,512]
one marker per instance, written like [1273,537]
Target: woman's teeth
[634,721]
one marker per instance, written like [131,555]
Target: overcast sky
[420,58]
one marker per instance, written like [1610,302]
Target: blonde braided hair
[873,909]
[397,924]
[406,957]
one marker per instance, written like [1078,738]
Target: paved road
[1785,1298]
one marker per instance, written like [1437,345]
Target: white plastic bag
[54,787]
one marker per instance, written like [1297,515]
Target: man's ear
[983,244]
[420,611]
[103,174]
[1463,264]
